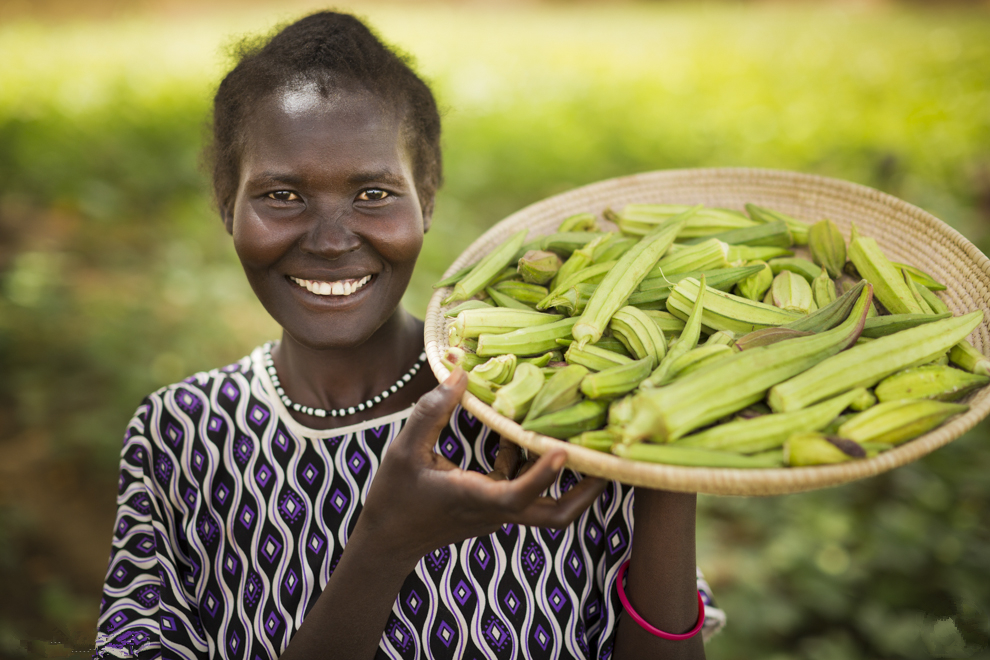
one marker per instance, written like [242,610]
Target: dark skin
[326,194]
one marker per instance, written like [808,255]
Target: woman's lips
[336,288]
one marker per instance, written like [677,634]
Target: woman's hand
[420,501]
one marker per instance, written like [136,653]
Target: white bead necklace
[339,412]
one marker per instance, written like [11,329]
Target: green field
[116,276]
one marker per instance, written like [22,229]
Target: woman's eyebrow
[274,179]
[385,176]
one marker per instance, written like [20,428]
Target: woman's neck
[342,377]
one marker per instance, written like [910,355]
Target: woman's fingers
[560,512]
[432,412]
[507,460]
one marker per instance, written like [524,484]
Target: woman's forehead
[302,124]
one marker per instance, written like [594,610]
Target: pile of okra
[711,337]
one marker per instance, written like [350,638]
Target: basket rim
[721,481]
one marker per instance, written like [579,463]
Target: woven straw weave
[906,233]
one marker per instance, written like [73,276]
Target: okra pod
[668,413]
[487,269]
[566,423]
[623,279]
[526,341]
[867,364]
[692,457]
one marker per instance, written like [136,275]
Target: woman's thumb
[433,410]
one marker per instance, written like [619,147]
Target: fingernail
[558,461]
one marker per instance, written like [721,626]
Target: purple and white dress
[231,516]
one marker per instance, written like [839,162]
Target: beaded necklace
[339,412]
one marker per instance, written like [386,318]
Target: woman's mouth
[337,288]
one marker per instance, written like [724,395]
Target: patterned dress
[232,516]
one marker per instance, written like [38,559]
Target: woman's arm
[661,583]
[418,502]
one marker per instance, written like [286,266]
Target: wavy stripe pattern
[231,520]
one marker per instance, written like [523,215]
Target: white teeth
[339,288]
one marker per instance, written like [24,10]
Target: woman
[259,512]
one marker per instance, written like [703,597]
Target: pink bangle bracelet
[643,622]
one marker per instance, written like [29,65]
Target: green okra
[515,399]
[799,230]
[866,399]
[724,311]
[808,449]
[616,380]
[600,440]
[542,360]
[467,304]
[498,370]
[580,259]
[688,339]
[935,381]
[525,292]
[831,315]
[965,356]
[796,265]
[639,219]
[455,278]
[756,285]
[475,322]
[505,300]
[823,289]
[563,243]
[867,364]
[583,416]
[747,253]
[693,457]
[792,293]
[594,273]
[458,357]
[487,269]
[538,266]
[526,341]
[560,391]
[696,358]
[722,279]
[623,278]
[887,281]
[912,286]
[613,344]
[741,379]
[895,422]
[669,324]
[767,336]
[749,436]
[772,234]
[614,249]
[593,357]
[881,326]
[920,276]
[724,337]
[827,246]
[483,389]
[706,255]
[579,222]
[640,335]
[936,303]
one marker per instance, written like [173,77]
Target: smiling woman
[252,523]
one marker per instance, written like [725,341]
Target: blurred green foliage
[116,276]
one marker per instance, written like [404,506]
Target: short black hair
[335,51]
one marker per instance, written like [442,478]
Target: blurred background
[116,276]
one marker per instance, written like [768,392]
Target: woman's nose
[330,234]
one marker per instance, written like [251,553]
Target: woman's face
[326,220]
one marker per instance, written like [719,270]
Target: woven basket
[905,232]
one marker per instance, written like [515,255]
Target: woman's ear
[227,216]
[427,216]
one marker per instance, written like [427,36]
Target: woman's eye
[373,195]
[283,196]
